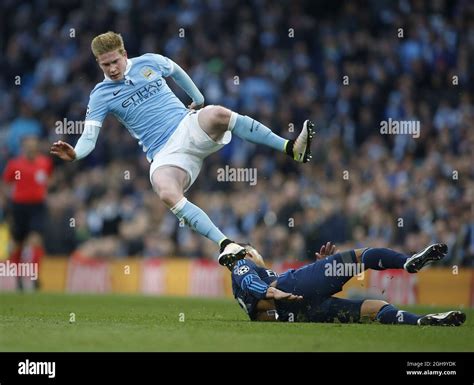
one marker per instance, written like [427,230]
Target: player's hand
[194,106]
[274,293]
[63,150]
[326,250]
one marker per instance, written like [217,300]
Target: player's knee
[169,196]
[371,307]
[168,193]
[221,116]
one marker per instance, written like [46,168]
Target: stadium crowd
[347,65]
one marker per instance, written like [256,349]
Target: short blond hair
[107,42]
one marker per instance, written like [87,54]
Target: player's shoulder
[151,59]
[100,87]
[150,56]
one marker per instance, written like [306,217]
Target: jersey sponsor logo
[117,92]
[143,93]
[241,270]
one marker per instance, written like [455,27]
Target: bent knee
[169,193]
[170,197]
[358,254]
[220,115]
[371,307]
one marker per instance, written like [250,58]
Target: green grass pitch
[42,322]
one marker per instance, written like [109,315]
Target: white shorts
[187,147]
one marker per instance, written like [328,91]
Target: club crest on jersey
[148,73]
[241,270]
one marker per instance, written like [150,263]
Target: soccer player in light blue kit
[175,139]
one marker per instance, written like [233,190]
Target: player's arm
[95,115]
[84,145]
[252,284]
[279,295]
[181,78]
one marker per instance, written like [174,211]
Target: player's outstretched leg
[253,131]
[383,258]
[199,221]
[169,183]
[386,313]
[216,120]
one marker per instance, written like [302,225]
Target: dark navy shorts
[320,279]
[317,283]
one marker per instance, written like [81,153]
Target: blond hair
[107,42]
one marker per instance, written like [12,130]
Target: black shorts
[27,218]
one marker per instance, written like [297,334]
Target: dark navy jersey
[250,283]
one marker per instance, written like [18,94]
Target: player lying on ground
[306,294]
[176,139]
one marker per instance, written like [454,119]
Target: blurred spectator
[24,125]
[346,66]
[28,174]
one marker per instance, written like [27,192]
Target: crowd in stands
[348,66]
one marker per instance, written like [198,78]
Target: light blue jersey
[141,101]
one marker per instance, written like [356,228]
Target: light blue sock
[251,130]
[197,220]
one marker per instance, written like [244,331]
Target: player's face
[29,145]
[113,64]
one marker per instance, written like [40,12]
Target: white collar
[127,70]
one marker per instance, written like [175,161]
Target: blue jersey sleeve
[249,281]
[164,64]
[97,109]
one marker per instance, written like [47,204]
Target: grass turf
[41,322]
